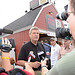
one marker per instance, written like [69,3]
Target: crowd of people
[41,58]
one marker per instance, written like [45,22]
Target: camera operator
[6,65]
[66,65]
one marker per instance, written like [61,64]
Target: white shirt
[54,53]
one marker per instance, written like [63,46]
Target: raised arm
[5,54]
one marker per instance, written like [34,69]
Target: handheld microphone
[31,56]
[41,55]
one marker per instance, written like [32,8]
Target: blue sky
[11,10]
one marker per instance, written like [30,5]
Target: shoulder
[58,46]
[68,61]
[40,44]
[27,44]
[62,48]
[25,47]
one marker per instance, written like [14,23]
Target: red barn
[43,17]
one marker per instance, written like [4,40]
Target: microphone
[7,31]
[41,55]
[31,56]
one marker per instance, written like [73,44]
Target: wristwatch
[43,66]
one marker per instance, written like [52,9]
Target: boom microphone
[7,31]
[31,56]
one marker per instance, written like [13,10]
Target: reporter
[44,66]
[5,54]
[7,65]
[66,65]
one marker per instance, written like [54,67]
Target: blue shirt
[47,48]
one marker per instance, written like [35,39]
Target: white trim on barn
[39,13]
[49,33]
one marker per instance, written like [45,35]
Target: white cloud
[11,10]
[60,5]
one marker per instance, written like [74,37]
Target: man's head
[67,41]
[34,34]
[53,41]
[42,42]
[71,17]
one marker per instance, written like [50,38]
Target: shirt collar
[33,44]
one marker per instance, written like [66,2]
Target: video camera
[7,31]
[12,42]
[62,32]
[63,15]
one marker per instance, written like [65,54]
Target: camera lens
[62,16]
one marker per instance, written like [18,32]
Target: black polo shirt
[26,48]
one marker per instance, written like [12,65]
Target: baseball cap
[68,38]
[55,39]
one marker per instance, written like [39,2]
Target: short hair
[33,28]
[72,2]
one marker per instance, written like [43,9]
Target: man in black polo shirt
[32,46]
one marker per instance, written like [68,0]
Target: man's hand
[43,62]
[35,64]
[29,68]
[6,45]
[27,65]
[47,53]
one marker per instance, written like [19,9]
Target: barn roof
[24,21]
